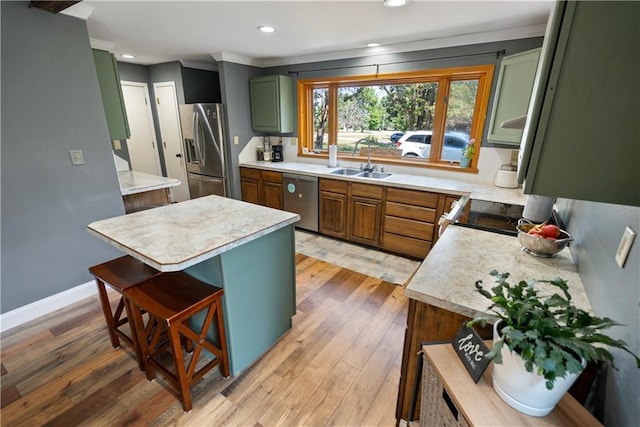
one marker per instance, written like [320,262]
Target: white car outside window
[418,144]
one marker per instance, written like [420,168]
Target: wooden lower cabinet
[410,219]
[365,213]
[271,189]
[425,323]
[262,187]
[364,226]
[146,200]
[333,208]
[250,185]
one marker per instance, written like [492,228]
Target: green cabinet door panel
[586,144]
[272,104]
[111,91]
[513,92]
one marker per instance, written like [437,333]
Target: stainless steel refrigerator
[205,149]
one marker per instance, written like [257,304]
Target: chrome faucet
[369,167]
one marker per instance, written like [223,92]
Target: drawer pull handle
[449,402]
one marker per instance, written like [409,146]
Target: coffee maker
[276,155]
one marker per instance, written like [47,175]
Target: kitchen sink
[346,171]
[375,175]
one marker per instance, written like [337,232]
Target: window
[421,118]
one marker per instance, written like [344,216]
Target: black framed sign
[471,349]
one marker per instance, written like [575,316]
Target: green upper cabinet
[582,139]
[513,92]
[112,99]
[272,104]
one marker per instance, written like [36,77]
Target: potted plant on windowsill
[468,153]
[541,342]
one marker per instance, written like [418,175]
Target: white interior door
[169,122]
[143,152]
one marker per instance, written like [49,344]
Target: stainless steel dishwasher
[301,197]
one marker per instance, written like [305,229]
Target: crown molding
[200,65]
[79,10]
[102,45]
[237,59]
[427,44]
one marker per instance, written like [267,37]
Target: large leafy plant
[550,334]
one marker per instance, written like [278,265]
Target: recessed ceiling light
[395,3]
[266,29]
[372,44]
[128,56]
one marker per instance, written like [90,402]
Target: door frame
[154,138]
[184,181]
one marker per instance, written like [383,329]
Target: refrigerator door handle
[212,135]
[196,137]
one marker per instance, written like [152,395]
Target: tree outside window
[438,111]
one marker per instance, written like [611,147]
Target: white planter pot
[526,391]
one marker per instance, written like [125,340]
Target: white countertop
[456,186]
[446,279]
[132,182]
[177,236]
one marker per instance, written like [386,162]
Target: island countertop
[177,236]
[463,255]
[132,182]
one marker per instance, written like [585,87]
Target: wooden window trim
[443,76]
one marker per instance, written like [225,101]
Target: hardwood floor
[339,365]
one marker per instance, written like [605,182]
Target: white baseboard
[47,305]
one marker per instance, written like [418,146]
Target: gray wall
[51,104]
[234,83]
[613,292]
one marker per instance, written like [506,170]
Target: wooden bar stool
[120,274]
[172,300]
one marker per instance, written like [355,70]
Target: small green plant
[470,149]
[547,331]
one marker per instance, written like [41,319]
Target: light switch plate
[76,157]
[625,246]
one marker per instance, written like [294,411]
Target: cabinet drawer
[270,176]
[412,197]
[249,173]
[367,190]
[409,227]
[406,245]
[410,212]
[334,186]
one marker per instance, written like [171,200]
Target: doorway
[169,122]
[143,152]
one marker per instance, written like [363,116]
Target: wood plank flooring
[339,366]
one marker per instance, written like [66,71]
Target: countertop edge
[153,182]
[449,185]
[170,267]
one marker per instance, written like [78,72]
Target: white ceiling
[307,30]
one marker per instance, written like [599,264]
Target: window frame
[443,76]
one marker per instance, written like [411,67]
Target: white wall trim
[47,305]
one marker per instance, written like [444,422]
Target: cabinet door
[513,93]
[272,104]
[111,91]
[272,195]
[586,120]
[365,215]
[250,190]
[333,214]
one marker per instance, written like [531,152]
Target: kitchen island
[144,191]
[247,250]
[442,294]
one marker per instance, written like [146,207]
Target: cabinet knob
[178,155]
